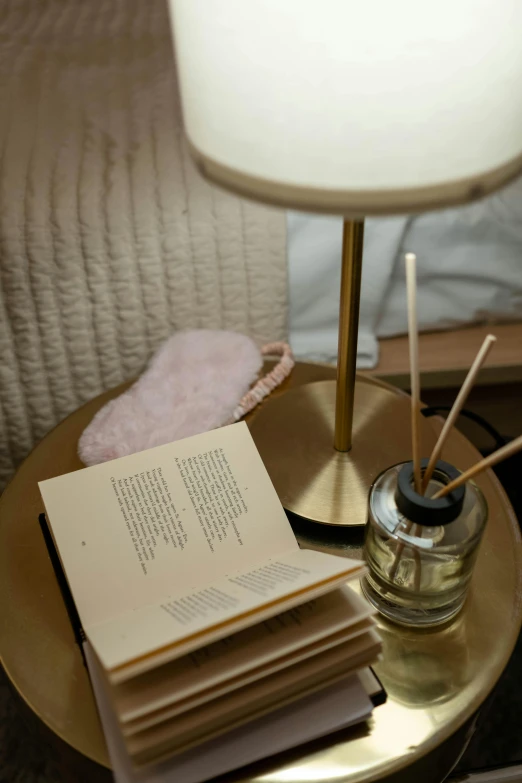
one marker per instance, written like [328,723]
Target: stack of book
[211,638]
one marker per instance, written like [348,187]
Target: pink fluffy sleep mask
[197,381]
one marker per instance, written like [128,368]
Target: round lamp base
[294,433]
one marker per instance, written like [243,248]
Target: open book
[194,595]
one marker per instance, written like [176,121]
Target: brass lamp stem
[353,236]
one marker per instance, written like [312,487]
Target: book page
[265,672]
[329,710]
[138,530]
[246,651]
[149,636]
[254,700]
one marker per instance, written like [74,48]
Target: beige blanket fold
[109,239]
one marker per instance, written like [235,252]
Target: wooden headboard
[445,358]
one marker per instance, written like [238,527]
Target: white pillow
[469,271]
[314,260]
[469,266]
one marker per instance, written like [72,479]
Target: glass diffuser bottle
[420,551]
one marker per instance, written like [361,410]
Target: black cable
[499,439]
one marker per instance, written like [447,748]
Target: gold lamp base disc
[295,433]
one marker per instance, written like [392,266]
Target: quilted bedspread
[109,238]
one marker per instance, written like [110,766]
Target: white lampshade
[359,107]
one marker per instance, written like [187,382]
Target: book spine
[380,696]
[74,617]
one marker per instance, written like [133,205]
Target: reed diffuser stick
[411,288]
[457,407]
[413,340]
[501,454]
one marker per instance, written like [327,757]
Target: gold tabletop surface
[435,679]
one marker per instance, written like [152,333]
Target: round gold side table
[436,680]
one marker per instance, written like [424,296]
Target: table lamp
[359,109]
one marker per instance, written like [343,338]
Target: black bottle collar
[426,511]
